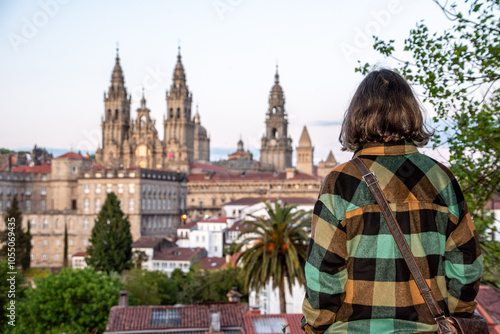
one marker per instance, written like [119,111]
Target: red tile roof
[247,176]
[80,254]
[214,219]
[71,155]
[208,263]
[33,169]
[193,317]
[187,226]
[292,320]
[207,167]
[177,254]
[289,200]
[488,304]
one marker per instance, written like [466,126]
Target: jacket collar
[390,148]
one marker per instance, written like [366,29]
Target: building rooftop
[177,254]
[247,201]
[71,155]
[214,219]
[188,319]
[247,176]
[150,242]
[208,263]
[32,169]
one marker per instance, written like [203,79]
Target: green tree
[210,286]
[65,253]
[75,301]
[111,241]
[14,233]
[458,71]
[277,249]
[9,283]
[150,287]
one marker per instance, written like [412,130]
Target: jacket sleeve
[325,269]
[463,260]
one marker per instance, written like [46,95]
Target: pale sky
[56,59]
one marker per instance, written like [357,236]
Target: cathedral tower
[305,152]
[179,127]
[276,147]
[116,121]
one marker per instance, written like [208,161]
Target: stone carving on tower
[143,149]
[127,143]
[305,152]
[179,127]
[276,147]
[116,121]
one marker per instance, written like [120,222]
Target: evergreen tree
[13,223]
[65,255]
[111,241]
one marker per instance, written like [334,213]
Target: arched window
[171,112]
[116,114]
[143,122]
[178,112]
[274,133]
[274,110]
[109,114]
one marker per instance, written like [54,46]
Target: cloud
[326,123]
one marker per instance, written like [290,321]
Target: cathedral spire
[277,76]
[143,100]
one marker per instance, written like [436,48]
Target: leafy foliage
[458,71]
[150,287]
[5,290]
[277,249]
[111,241]
[22,239]
[75,301]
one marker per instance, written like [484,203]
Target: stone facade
[70,193]
[305,157]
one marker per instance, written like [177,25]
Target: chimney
[234,296]
[290,173]
[123,300]
[215,322]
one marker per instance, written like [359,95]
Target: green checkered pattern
[357,279]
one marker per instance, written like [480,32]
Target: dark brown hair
[383,107]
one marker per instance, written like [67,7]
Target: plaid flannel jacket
[357,279]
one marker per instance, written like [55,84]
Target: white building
[78,260]
[206,233]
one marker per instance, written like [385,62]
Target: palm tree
[277,249]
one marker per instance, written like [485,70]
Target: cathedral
[135,143]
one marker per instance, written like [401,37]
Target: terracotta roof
[236,227]
[208,263]
[214,219]
[177,254]
[187,226]
[208,167]
[71,155]
[195,317]
[267,323]
[289,200]
[33,169]
[80,254]
[148,242]
[248,176]
[488,304]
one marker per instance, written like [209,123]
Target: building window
[97,204]
[109,188]
[42,205]
[45,242]
[44,256]
[131,188]
[85,242]
[73,204]
[0,205]
[154,204]
[73,170]
[8,191]
[56,256]
[43,191]
[1,191]
[45,224]
[201,204]
[120,189]
[131,204]
[15,191]
[70,242]
[86,204]
[97,188]
[85,224]
[149,204]
[58,242]
[86,189]
[143,204]
[32,242]
[32,223]
[32,256]
[28,205]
